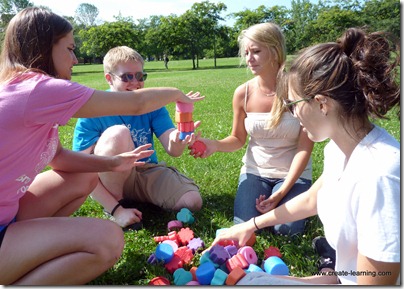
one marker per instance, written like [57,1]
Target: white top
[270,151]
[359,205]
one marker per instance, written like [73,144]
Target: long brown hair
[28,42]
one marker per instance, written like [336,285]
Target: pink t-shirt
[30,113]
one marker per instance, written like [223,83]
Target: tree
[153,44]
[13,6]
[86,14]
[226,43]
[97,40]
[331,23]
[276,14]
[197,32]
[299,34]
[209,16]
[8,8]
[383,15]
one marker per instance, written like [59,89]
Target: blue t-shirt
[142,127]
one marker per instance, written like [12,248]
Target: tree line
[199,32]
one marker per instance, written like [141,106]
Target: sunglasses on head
[128,76]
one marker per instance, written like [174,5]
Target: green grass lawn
[216,176]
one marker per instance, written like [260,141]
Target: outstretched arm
[136,102]
[300,207]
[69,161]
[238,136]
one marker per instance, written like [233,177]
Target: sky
[146,8]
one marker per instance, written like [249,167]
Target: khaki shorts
[158,184]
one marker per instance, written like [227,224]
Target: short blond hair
[120,54]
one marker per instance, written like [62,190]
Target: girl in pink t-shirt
[39,243]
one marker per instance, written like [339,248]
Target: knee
[114,139]
[195,203]
[191,200]
[117,131]
[89,182]
[93,182]
[118,242]
[113,243]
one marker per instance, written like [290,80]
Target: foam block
[275,266]
[219,278]
[234,276]
[160,280]
[182,277]
[249,254]
[205,273]
[164,252]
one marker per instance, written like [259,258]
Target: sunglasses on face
[128,76]
[291,105]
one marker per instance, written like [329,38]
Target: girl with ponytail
[334,90]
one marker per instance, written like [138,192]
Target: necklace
[266,94]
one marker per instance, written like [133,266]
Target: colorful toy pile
[224,264]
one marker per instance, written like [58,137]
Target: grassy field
[216,176]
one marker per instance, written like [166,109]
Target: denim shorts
[3,229]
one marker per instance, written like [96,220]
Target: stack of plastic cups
[183,118]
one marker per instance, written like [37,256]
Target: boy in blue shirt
[152,182]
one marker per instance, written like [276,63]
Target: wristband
[116,207]
[255,224]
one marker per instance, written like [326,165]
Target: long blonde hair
[270,35]
[278,107]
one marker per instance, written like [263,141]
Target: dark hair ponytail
[357,71]
[375,75]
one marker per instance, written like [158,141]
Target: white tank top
[270,151]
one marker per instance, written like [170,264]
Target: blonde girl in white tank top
[276,165]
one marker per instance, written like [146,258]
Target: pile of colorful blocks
[223,264]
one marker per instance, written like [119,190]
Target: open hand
[128,160]
[191,97]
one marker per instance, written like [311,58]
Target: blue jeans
[250,187]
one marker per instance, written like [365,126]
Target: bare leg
[59,250]
[191,200]
[54,193]
[115,140]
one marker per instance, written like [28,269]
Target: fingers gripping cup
[275,266]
